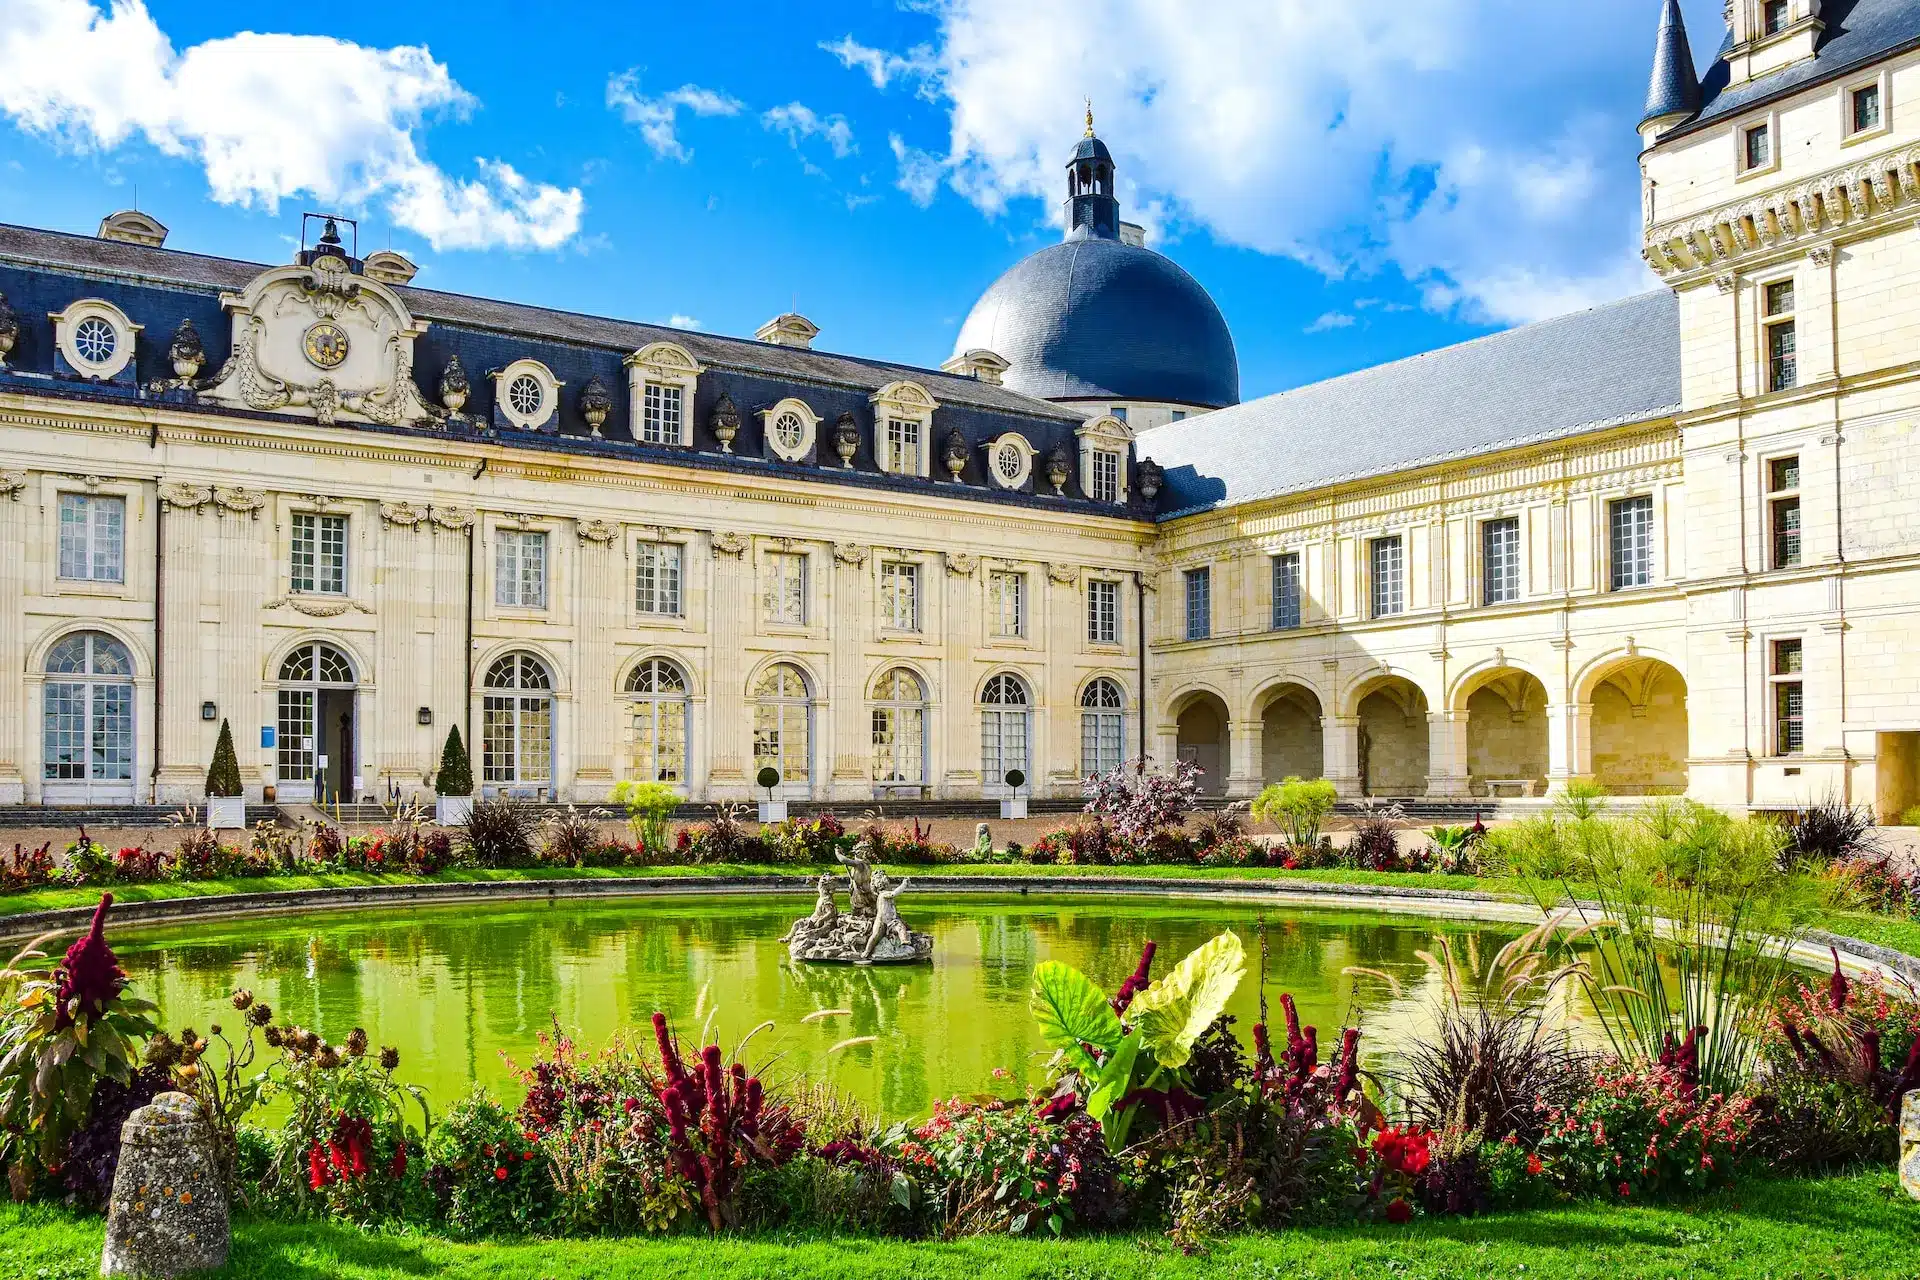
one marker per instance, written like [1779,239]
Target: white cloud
[883,68]
[1331,320]
[920,171]
[657,118]
[1484,149]
[799,121]
[680,321]
[270,117]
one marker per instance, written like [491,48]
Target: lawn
[1859,1226]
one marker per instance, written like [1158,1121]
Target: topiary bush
[223,776]
[455,776]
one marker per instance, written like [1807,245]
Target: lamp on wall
[424,715]
[207,710]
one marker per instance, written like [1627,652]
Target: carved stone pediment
[405,514]
[322,343]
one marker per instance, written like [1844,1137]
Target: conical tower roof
[1675,87]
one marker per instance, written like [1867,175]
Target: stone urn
[724,422]
[454,387]
[9,329]
[186,352]
[846,438]
[168,1215]
[596,402]
[1910,1143]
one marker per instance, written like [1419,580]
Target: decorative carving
[600,531]
[187,497]
[1064,574]
[12,483]
[724,422]
[315,607]
[871,931]
[242,502]
[405,514]
[729,544]
[186,351]
[325,399]
[596,402]
[1820,255]
[9,329]
[846,438]
[1057,464]
[953,454]
[1150,478]
[962,565]
[849,553]
[458,519]
[1723,283]
[454,387]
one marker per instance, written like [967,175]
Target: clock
[326,345]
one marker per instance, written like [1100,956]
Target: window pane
[1500,559]
[903,446]
[1758,150]
[1199,604]
[785,600]
[1789,729]
[1103,611]
[64,731]
[1782,357]
[660,414]
[333,554]
[1786,657]
[304,540]
[294,740]
[1786,533]
[1106,476]
[1389,577]
[1783,474]
[900,596]
[1007,598]
[1866,108]
[1286,591]
[1630,537]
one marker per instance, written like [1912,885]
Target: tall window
[319,553]
[1004,713]
[1774,16]
[1630,543]
[305,674]
[516,723]
[1789,729]
[1783,512]
[656,578]
[520,569]
[1757,146]
[903,446]
[1865,102]
[1500,560]
[1199,583]
[1007,603]
[786,594]
[1286,591]
[1103,611]
[783,725]
[93,538]
[1389,576]
[658,692]
[899,728]
[1782,362]
[900,596]
[87,712]
[1105,482]
[660,411]
[1102,727]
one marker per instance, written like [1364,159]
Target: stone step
[18,816]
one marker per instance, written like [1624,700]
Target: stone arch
[1201,736]
[1507,729]
[1636,712]
[362,667]
[556,670]
[37,652]
[1393,752]
[689,670]
[1292,740]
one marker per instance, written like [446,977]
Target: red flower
[1625,1190]
[90,977]
[398,1169]
[500,1174]
[1399,1211]
[1534,1167]
[317,1173]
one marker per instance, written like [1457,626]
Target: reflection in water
[457,987]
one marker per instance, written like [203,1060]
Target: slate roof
[1612,365]
[1858,32]
[1675,86]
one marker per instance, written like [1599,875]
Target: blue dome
[1097,319]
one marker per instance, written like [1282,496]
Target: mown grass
[1860,1227]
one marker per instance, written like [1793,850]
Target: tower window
[1783,512]
[1789,699]
[1757,146]
[1866,108]
[1782,357]
[1776,16]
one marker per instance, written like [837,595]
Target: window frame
[897,407]
[1387,591]
[1779,372]
[646,550]
[1782,685]
[1783,500]
[1196,586]
[899,596]
[798,587]
[90,551]
[1768,124]
[523,541]
[1880,83]
[665,711]
[889,718]
[544,415]
[1103,628]
[1505,588]
[1284,591]
[119,364]
[997,604]
[809,421]
[1102,724]
[323,521]
[657,368]
[1615,580]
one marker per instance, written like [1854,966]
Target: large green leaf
[1073,1013]
[1115,1079]
[1171,1014]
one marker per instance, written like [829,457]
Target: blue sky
[1353,183]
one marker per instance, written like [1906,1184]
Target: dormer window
[1010,460]
[661,378]
[1757,147]
[1775,16]
[791,428]
[1104,445]
[660,412]
[95,340]
[527,395]
[903,428]
[524,395]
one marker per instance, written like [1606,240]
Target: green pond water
[459,989]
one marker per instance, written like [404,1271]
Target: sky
[1353,182]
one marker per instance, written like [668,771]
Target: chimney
[1134,234]
[977,363]
[789,330]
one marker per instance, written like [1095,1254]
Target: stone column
[731,601]
[1569,745]
[1447,774]
[954,727]
[847,758]
[598,595]
[168,1213]
[1340,745]
[1246,754]
[16,717]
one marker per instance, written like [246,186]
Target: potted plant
[771,810]
[1013,804]
[453,784]
[226,799]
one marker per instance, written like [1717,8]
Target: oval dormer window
[790,434]
[1010,462]
[524,394]
[95,340]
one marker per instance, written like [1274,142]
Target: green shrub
[455,775]
[650,808]
[498,833]
[1911,818]
[1298,806]
[486,1178]
[223,776]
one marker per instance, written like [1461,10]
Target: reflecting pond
[457,987]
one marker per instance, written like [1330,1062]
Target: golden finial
[1089,117]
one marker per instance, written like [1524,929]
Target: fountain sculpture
[870,932]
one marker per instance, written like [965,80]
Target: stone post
[1910,1143]
[1447,773]
[168,1215]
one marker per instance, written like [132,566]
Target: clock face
[326,345]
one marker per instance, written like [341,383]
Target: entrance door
[315,735]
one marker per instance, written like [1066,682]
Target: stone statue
[1910,1143]
[168,1214]
[871,931]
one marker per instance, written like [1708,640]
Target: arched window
[88,723]
[306,730]
[899,728]
[783,725]
[516,723]
[658,689]
[1005,730]
[1102,727]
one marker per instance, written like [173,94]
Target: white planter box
[773,811]
[452,811]
[226,813]
[1013,806]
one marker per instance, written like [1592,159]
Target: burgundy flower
[90,977]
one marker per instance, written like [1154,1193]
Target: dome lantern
[1092,208]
